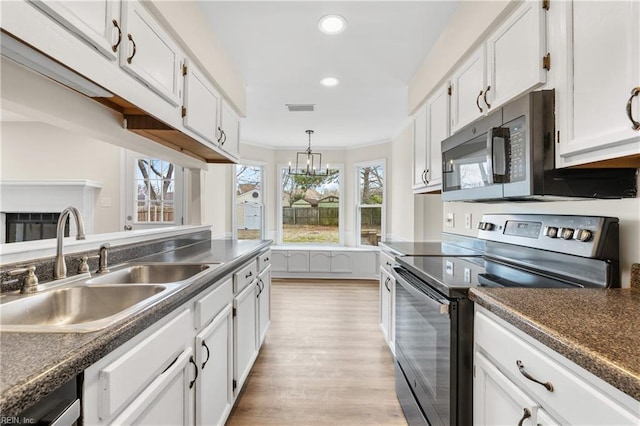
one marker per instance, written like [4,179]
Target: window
[370,202]
[155,188]
[154,192]
[249,221]
[311,208]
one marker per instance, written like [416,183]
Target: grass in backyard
[310,234]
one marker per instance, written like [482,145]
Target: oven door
[426,346]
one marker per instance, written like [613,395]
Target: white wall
[216,196]
[400,207]
[38,151]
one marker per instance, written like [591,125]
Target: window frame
[358,206]
[129,194]
[341,231]
[261,204]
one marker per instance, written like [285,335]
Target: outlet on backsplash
[449,221]
[467,220]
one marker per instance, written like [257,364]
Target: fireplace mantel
[49,196]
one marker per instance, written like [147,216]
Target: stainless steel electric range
[434,317]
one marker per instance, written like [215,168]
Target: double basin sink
[92,303]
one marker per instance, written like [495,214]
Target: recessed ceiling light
[329,81]
[332,24]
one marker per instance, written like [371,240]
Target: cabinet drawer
[122,380]
[570,392]
[244,276]
[386,261]
[264,260]
[207,307]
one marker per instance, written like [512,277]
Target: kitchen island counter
[34,364]
[594,328]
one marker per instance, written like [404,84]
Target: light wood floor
[324,360]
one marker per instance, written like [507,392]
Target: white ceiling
[281,55]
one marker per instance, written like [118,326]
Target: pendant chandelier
[308,163]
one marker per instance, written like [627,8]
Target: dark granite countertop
[597,329]
[34,364]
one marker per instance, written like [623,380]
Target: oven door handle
[438,302]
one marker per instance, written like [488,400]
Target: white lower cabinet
[130,384]
[330,261]
[245,347]
[516,378]
[264,303]
[387,307]
[290,260]
[167,400]
[214,357]
[189,367]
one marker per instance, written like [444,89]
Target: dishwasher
[59,408]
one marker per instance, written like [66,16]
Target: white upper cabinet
[97,22]
[229,130]
[468,84]
[600,70]
[420,150]
[201,103]
[515,54]
[438,107]
[508,64]
[148,53]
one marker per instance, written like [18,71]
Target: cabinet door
[279,261]
[214,357]
[595,84]
[467,90]
[264,302]
[341,261]
[244,334]
[497,401]
[514,54]
[298,261]
[97,22]
[230,127]
[167,400]
[420,150]
[385,303]
[320,261]
[437,130]
[150,54]
[201,103]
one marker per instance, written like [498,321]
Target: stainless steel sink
[156,273]
[78,308]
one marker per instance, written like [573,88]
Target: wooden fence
[323,216]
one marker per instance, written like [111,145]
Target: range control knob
[566,233]
[551,231]
[583,235]
[486,226]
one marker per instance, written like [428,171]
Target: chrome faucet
[102,262]
[60,268]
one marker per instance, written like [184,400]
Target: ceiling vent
[301,107]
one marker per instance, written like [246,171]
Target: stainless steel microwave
[509,154]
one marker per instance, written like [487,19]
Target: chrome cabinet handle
[130,58]
[478,101]
[525,416]
[204,345]
[115,46]
[423,176]
[485,96]
[193,382]
[250,274]
[386,284]
[225,137]
[221,133]
[426,178]
[548,386]
[634,124]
